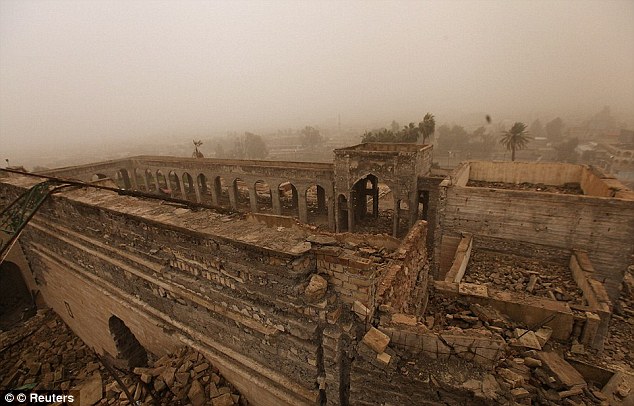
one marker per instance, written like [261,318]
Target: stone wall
[600,226]
[403,283]
[237,303]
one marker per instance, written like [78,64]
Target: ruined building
[371,280]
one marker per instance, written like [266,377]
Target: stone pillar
[146,183]
[413,208]
[156,182]
[216,191]
[133,180]
[275,201]
[197,190]
[321,199]
[330,206]
[295,197]
[303,208]
[253,198]
[233,195]
[181,186]
[351,211]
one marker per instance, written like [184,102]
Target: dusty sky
[89,71]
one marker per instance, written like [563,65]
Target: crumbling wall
[601,227]
[403,284]
[238,302]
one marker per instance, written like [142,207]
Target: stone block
[406,319]
[376,340]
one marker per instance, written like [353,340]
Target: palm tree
[427,126]
[515,138]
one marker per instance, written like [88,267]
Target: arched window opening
[123,179]
[151,182]
[241,190]
[222,191]
[289,199]
[174,184]
[129,350]
[164,188]
[188,184]
[203,187]
[263,196]
[316,207]
[373,206]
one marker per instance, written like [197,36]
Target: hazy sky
[91,70]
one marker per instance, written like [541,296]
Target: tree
[427,126]
[566,150]
[515,138]
[554,129]
[249,146]
[536,129]
[311,137]
[197,153]
[395,126]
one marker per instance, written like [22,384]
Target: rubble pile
[566,188]
[535,369]
[182,378]
[43,353]
[618,346]
[523,275]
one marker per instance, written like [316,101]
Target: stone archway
[129,351]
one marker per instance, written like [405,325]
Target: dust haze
[109,76]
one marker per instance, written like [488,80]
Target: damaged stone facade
[292,313]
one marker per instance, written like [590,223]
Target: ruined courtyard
[372,280]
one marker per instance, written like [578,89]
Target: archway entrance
[373,206]
[129,351]
[16,302]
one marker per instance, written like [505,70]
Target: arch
[289,199]
[139,179]
[123,179]
[98,176]
[342,213]
[203,187]
[150,181]
[129,350]
[14,296]
[240,193]
[174,183]
[221,190]
[316,205]
[263,195]
[373,206]
[161,181]
[189,187]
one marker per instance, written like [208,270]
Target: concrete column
[233,195]
[303,208]
[275,200]
[253,198]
